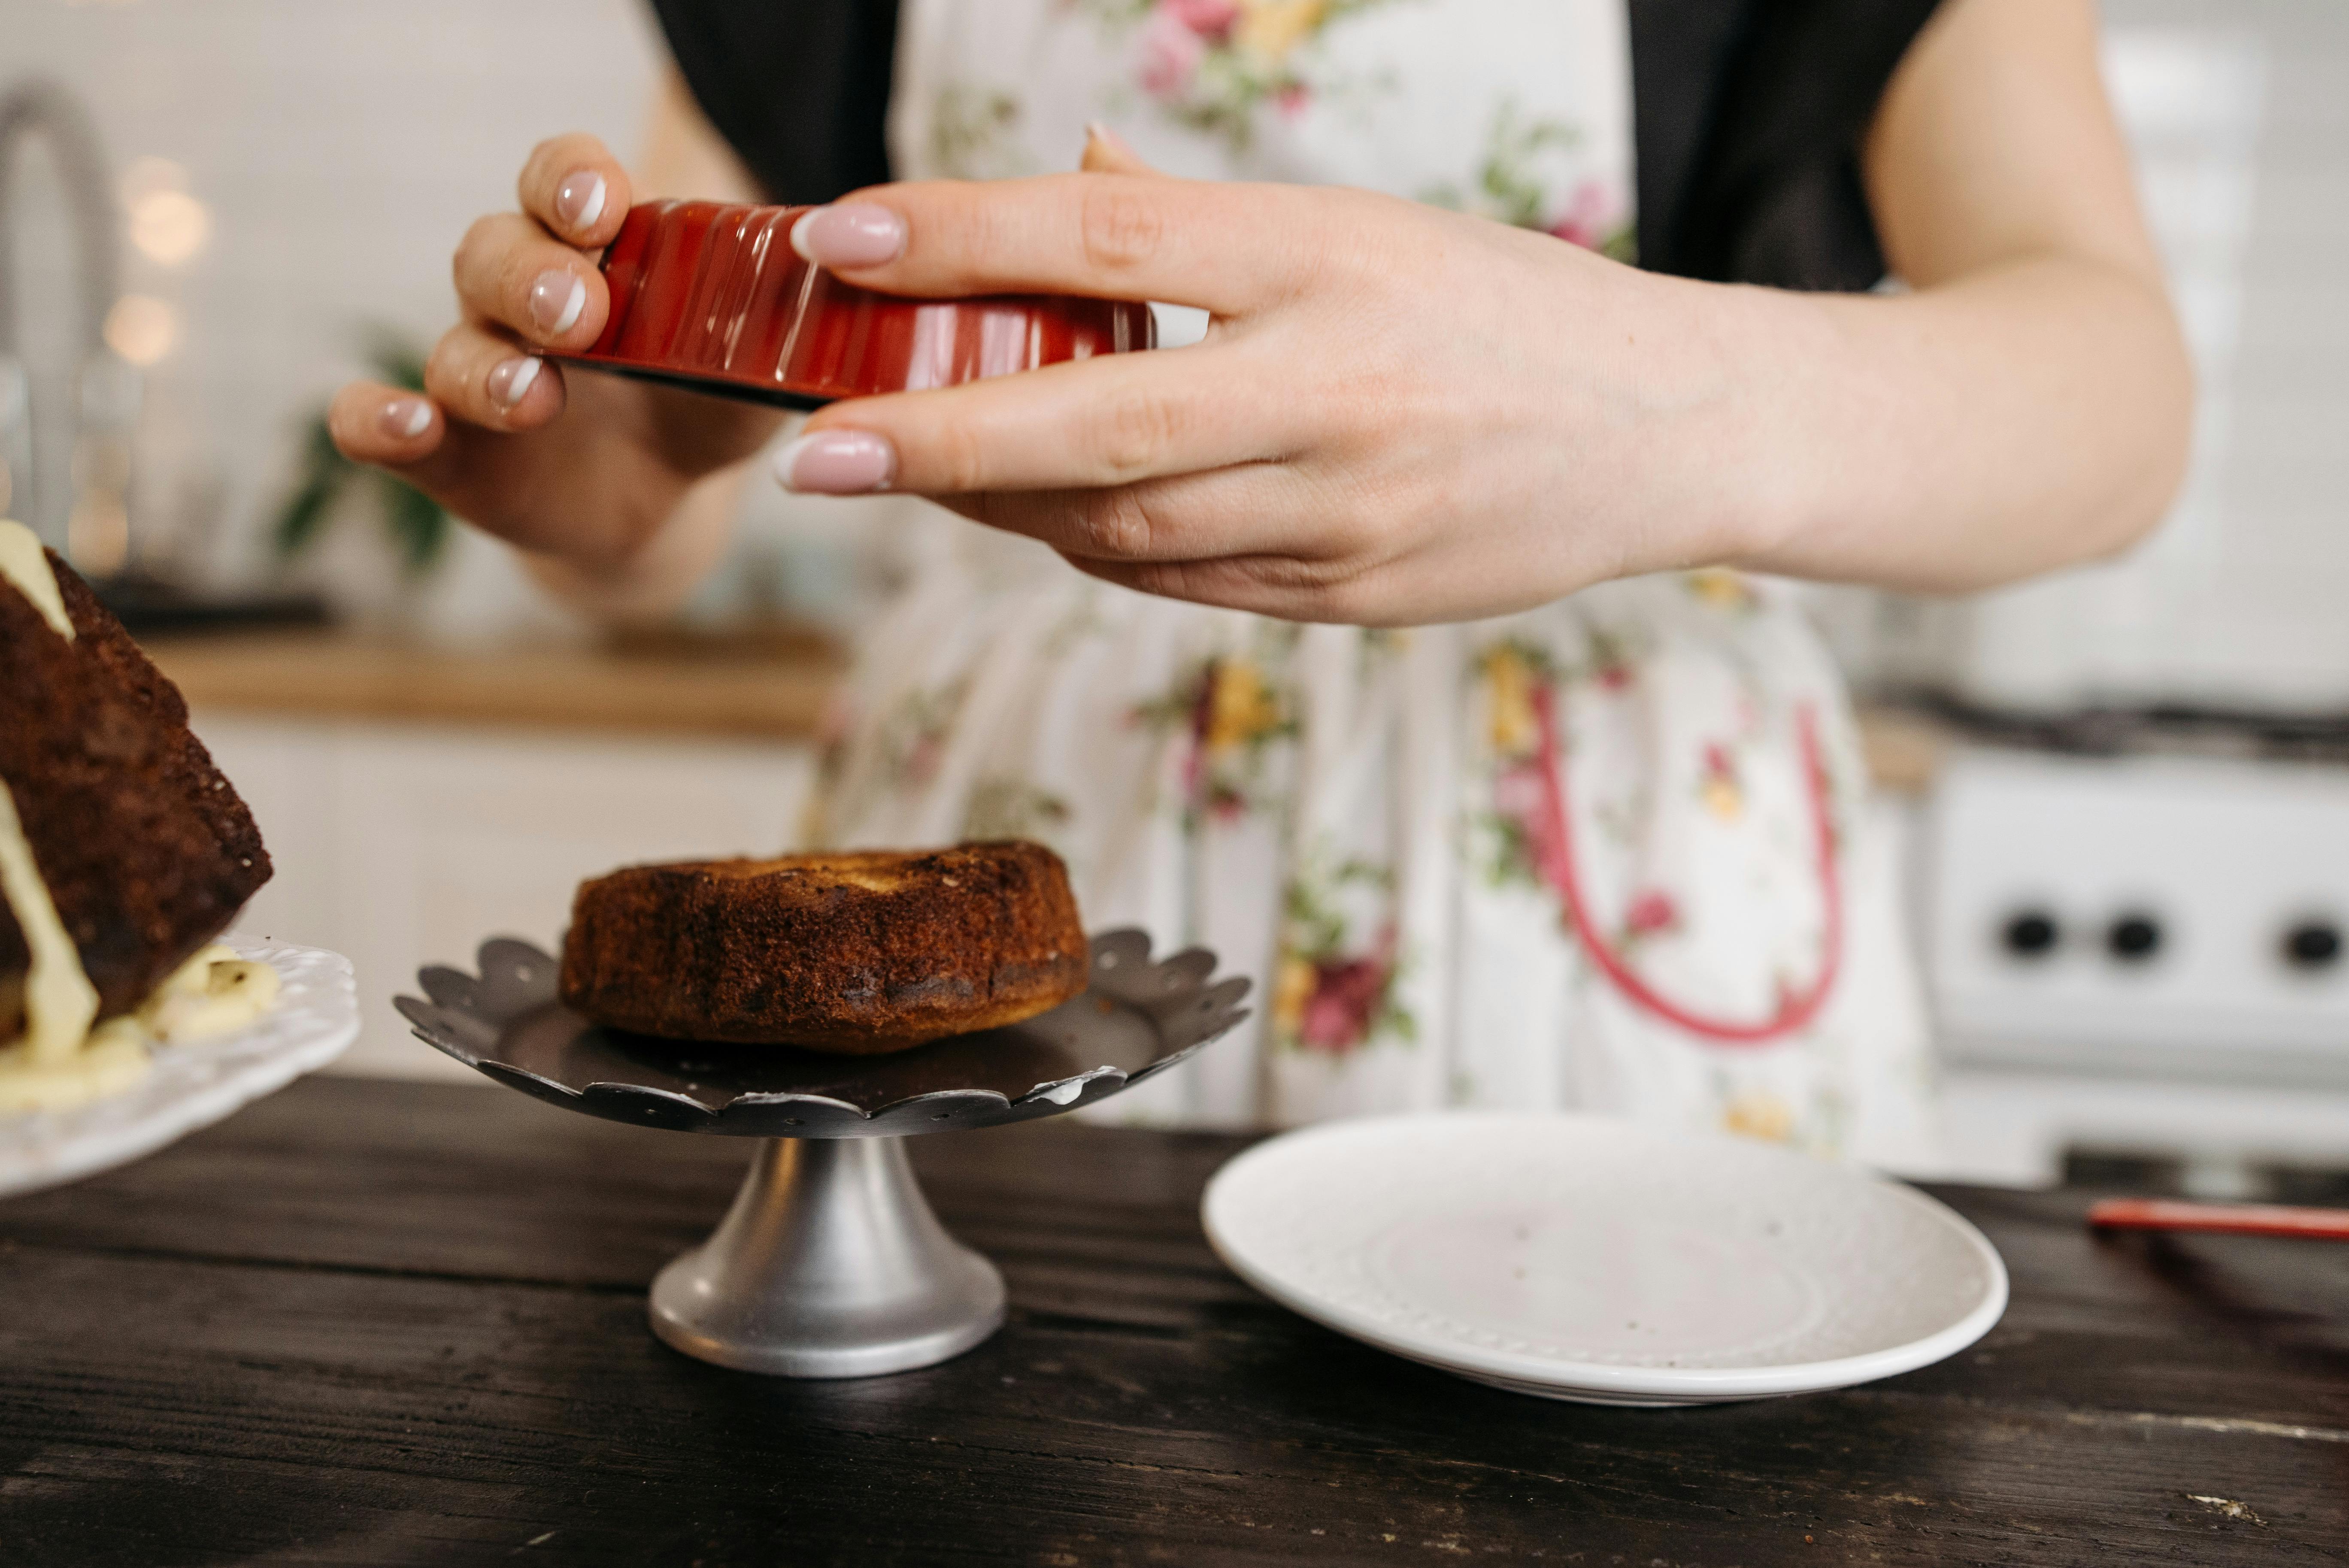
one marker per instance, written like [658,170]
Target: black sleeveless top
[1747,117]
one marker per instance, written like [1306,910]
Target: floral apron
[1610,855]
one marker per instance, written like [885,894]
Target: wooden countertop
[780,694]
[374,1321]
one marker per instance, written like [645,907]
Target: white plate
[1580,1258]
[315,1018]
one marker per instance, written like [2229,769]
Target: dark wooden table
[370,1323]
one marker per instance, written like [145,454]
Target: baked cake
[123,851]
[857,953]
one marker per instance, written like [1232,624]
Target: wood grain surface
[777,694]
[377,1322]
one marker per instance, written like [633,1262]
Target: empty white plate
[1581,1258]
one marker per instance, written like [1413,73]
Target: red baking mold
[712,296]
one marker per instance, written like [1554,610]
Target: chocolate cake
[851,952]
[146,851]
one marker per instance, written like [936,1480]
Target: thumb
[1107,153]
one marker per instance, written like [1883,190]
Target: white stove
[2140,956]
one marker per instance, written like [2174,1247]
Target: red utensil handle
[2220,1219]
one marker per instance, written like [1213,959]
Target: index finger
[1110,421]
[573,186]
[1229,248]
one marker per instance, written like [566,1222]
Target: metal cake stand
[830,1264]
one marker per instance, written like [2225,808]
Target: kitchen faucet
[80,511]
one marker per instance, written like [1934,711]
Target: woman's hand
[1398,413]
[583,474]
[1402,414]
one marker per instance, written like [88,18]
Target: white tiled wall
[341,149]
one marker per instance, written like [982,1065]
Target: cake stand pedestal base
[830,1264]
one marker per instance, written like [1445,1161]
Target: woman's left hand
[1398,415]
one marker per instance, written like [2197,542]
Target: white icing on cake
[61,1060]
[26,569]
[60,1003]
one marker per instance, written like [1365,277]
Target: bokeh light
[169,226]
[142,328]
[98,534]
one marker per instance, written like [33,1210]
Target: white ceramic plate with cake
[124,853]
[1581,1258]
[313,1019]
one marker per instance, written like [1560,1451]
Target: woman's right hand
[583,471]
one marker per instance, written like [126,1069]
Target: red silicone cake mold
[712,297]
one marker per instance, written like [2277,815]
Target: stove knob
[2135,938]
[2313,945]
[2030,933]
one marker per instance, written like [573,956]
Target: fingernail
[555,301]
[836,462]
[510,381]
[579,201]
[1096,130]
[405,417]
[850,234]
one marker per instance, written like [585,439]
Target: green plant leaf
[419,527]
[299,523]
[395,359]
[319,479]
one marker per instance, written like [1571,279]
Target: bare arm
[1400,415]
[2028,406]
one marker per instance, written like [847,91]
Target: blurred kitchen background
[2125,791]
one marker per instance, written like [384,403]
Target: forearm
[2026,417]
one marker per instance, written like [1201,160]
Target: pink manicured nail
[405,417]
[1097,130]
[510,381]
[579,201]
[850,234]
[555,301]
[837,462]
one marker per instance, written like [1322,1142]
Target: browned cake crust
[851,952]
[146,850]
